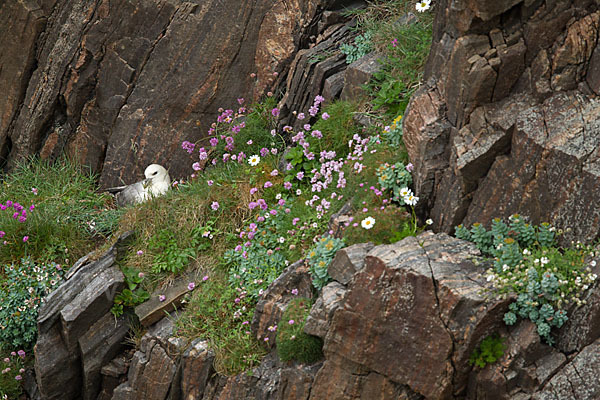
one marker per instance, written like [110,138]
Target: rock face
[506,122]
[77,334]
[119,84]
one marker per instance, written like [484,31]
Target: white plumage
[157,182]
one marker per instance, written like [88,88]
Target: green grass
[69,216]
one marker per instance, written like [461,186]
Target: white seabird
[157,182]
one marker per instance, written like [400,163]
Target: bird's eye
[155,172]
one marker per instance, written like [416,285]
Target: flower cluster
[393,133]
[26,286]
[397,178]
[12,370]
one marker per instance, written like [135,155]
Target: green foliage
[21,294]
[320,256]
[394,178]
[393,133]
[488,352]
[221,313]
[132,295]
[543,278]
[168,255]
[362,46]
[292,342]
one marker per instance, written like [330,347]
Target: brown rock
[577,380]
[358,74]
[331,298]
[99,345]
[153,310]
[417,299]
[348,261]
[197,368]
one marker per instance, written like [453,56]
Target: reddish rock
[413,314]
[196,369]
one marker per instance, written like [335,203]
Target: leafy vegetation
[528,265]
[488,352]
[292,342]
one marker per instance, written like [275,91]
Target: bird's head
[156,172]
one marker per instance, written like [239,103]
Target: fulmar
[157,182]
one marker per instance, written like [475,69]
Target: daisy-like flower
[429,221]
[404,192]
[254,160]
[423,5]
[411,200]
[368,222]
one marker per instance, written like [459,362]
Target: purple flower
[274,172]
[205,278]
[410,167]
[210,182]
[34,191]
[264,151]
[325,116]
[291,322]
[275,112]
[295,292]
[196,166]
[18,377]
[162,298]
[301,116]
[214,142]
[253,190]
[317,134]
[191,286]
[2,233]
[187,146]
[215,205]
[31,207]
[140,252]
[268,184]
[21,353]
[141,275]
[300,175]
[25,238]
[287,185]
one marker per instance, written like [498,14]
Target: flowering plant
[320,256]
[21,295]
[292,342]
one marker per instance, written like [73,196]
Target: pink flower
[214,205]
[162,298]
[25,238]
[410,167]
[191,286]
[394,42]
[295,292]
[18,377]
[21,353]
[205,278]
[141,275]
[325,116]
[275,112]
[196,166]
[268,184]
[291,322]
[34,191]
[253,190]
[210,182]
[140,252]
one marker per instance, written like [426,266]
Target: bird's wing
[115,189]
[132,194]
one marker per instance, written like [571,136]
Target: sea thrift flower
[325,116]
[394,42]
[268,184]
[141,275]
[25,238]
[291,322]
[210,182]
[187,146]
[34,191]
[140,252]
[205,278]
[191,286]
[196,166]
[275,112]
[214,205]
[410,167]
[295,292]
[162,298]
[21,353]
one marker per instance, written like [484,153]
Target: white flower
[405,192]
[526,252]
[544,260]
[423,5]
[505,267]
[254,160]
[411,200]
[281,239]
[368,222]
[278,196]
[429,222]
[491,277]
[593,263]
[298,192]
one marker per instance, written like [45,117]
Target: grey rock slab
[348,261]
